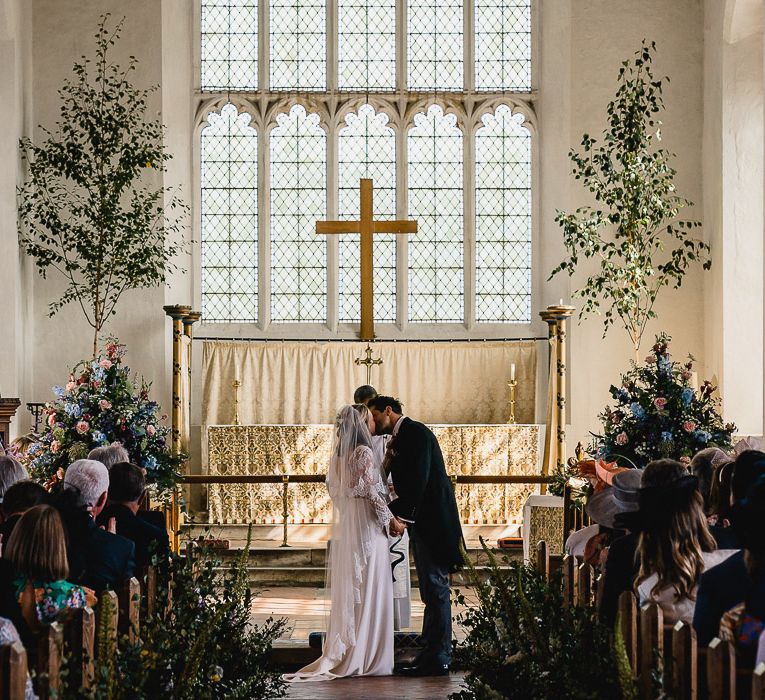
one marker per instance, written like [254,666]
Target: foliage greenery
[90,207]
[100,404]
[202,646]
[633,231]
[524,641]
[659,414]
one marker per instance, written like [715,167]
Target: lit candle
[512,372]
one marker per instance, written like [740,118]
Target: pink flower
[83,427]
[52,419]
[71,385]
[104,405]
[650,359]
[660,402]
[95,384]
[685,374]
[622,439]
[55,446]
[111,350]
[106,364]
[689,426]
[685,459]
[150,430]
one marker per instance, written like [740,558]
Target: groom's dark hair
[380,403]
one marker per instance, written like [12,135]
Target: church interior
[513,247]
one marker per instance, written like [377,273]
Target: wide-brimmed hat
[623,496]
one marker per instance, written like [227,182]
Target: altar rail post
[177,313]
[556,317]
[287,479]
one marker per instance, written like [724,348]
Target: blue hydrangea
[637,410]
[99,437]
[687,396]
[73,410]
[149,462]
[702,435]
[664,365]
[59,391]
[666,436]
[34,449]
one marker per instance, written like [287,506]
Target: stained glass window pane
[503,218]
[503,45]
[435,38]
[298,45]
[229,51]
[436,287]
[298,200]
[368,150]
[367,45]
[229,236]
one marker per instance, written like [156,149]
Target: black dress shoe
[425,669]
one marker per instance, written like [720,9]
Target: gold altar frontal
[489,450]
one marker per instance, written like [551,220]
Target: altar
[487,450]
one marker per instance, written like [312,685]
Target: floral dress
[55,600]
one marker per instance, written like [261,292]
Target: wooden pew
[568,578]
[721,670]
[130,609]
[542,560]
[80,638]
[628,619]
[684,662]
[651,631]
[13,671]
[758,682]
[49,651]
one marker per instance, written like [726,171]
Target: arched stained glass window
[229,201]
[503,218]
[503,45]
[435,37]
[229,45]
[298,45]
[367,150]
[298,200]
[436,279]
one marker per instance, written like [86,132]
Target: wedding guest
[11,471]
[747,469]
[364,394]
[741,577]
[98,559]
[703,466]
[20,446]
[675,546]
[37,552]
[126,487]
[109,455]
[18,500]
[719,495]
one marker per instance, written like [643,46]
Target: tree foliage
[90,207]
[633,231]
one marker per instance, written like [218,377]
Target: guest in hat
[675,546]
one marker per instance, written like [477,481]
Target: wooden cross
[366,227]
[368,362]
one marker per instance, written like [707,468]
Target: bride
[359,640]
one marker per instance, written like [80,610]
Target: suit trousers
[436,594]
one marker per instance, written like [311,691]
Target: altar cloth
[501,449]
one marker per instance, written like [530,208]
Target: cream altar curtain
[302,383]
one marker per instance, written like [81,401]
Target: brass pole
[188,330]
[285,509]
[177,313]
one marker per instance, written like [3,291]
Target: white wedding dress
[359,639]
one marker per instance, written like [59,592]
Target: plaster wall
[581,45]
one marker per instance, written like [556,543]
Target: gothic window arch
[434,102]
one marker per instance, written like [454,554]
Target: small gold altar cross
[235,386]
[368,361]
[366,227]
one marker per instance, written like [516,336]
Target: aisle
[388,688]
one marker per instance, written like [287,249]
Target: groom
[426,504]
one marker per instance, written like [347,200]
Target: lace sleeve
[368,484]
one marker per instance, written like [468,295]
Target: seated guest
[739,579]
[11,471]
[704,466]
[37,553]
[109,455]
[747,469]
[97,559]
[126,487]
[675,546]
[19,447]
[18,500]
[719,495]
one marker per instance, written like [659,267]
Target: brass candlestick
[236,384]
[513,383]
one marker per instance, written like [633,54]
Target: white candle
[561,302]
[512,372]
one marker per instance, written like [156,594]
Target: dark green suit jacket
[425,494]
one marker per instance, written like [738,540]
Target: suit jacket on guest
[425,494]
[98,559]
[7,528]
[146,537]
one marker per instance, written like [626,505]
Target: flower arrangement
[100,404]
[658,413]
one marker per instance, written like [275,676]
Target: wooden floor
[384,688]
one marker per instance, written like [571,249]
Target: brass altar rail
[287,479]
